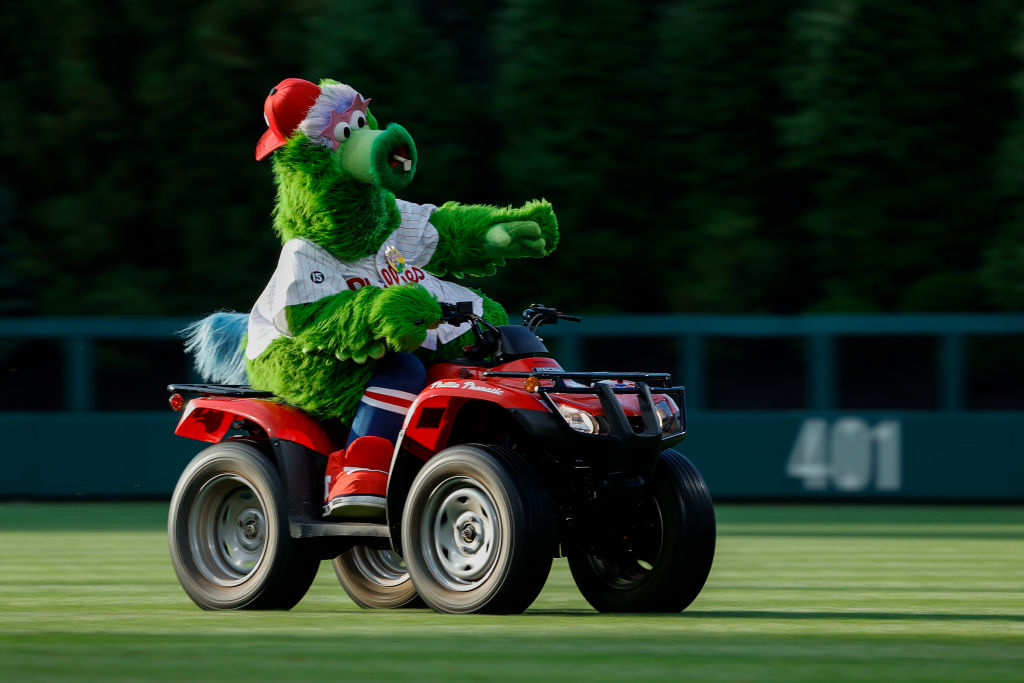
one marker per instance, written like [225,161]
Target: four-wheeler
[504,462]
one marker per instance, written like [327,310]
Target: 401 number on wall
[847,455]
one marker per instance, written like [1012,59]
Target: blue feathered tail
[216,344]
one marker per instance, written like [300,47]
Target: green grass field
[797,593]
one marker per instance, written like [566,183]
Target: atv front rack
[606,385]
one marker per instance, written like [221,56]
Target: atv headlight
[668,417]
[580,420]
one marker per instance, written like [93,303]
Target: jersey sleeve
[415,237]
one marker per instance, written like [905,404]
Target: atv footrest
[319,529]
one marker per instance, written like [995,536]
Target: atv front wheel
[375,578]
[228,533]
[477,531]
[663,564]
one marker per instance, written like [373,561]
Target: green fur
[315,196]
[343,201]
[403,314]
[315,381]
[365,323]
[463,248]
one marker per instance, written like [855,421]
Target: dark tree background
[702,155]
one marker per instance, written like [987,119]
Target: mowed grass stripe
[82,599]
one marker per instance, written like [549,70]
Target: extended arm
[476,239]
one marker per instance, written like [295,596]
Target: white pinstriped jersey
[306,273]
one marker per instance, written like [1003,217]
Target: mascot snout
[380,157]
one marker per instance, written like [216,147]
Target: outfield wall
[857,456]
[763,456]
[81,402]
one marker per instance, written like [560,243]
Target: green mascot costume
[350,315]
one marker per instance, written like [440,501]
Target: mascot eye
[358,120]
[342,132]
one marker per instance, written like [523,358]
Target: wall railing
[78,337]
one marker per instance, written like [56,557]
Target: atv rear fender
[209,418]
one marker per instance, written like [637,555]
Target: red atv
[504,462]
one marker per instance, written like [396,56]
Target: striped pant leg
[387,399]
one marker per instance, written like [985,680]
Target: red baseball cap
[285,108]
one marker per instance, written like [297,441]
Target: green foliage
[713,155]
[574,102]
[1002,273]
[128,138]
[732,245]
[388,53]
[901,112]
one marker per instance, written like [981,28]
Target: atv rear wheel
[477,531]
[664,563]
[228,533]
[375,578]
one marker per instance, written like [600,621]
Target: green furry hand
[365,324]
[513,239]
[399,318]
[373,348]
[475,239]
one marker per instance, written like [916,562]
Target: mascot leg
[399,379]
[357,476]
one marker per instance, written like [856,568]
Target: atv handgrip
[457,313]
[539,314]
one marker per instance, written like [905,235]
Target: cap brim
[267,144]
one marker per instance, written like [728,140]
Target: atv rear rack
[231,390]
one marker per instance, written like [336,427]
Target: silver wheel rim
[382,567]
[461,534]
[228,530]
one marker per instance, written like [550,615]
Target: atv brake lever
[539,314]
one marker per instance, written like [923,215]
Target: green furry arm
[365,323]
[475,238]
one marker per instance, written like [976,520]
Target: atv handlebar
[487,335]
[539,314]
[533,317]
